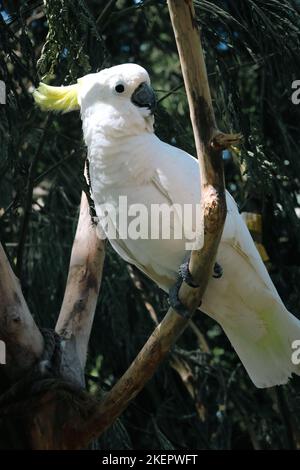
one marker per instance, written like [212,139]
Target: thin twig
[28,200]
[53,167]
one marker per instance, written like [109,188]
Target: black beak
[144,97]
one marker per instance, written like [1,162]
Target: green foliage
[252,58]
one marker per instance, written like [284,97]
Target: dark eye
[119,88]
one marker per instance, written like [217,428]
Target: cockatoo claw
[185,274]
[218,271]
[175,302]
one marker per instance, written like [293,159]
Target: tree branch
[207,140]
[24,342]
[85,273]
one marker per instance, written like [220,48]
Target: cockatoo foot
[175,302]
[185,274]
[218,271]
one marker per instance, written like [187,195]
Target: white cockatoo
[127,159]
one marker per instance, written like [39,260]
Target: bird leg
[185,275]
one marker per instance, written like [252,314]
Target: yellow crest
[57,98]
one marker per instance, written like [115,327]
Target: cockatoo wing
[244,301]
